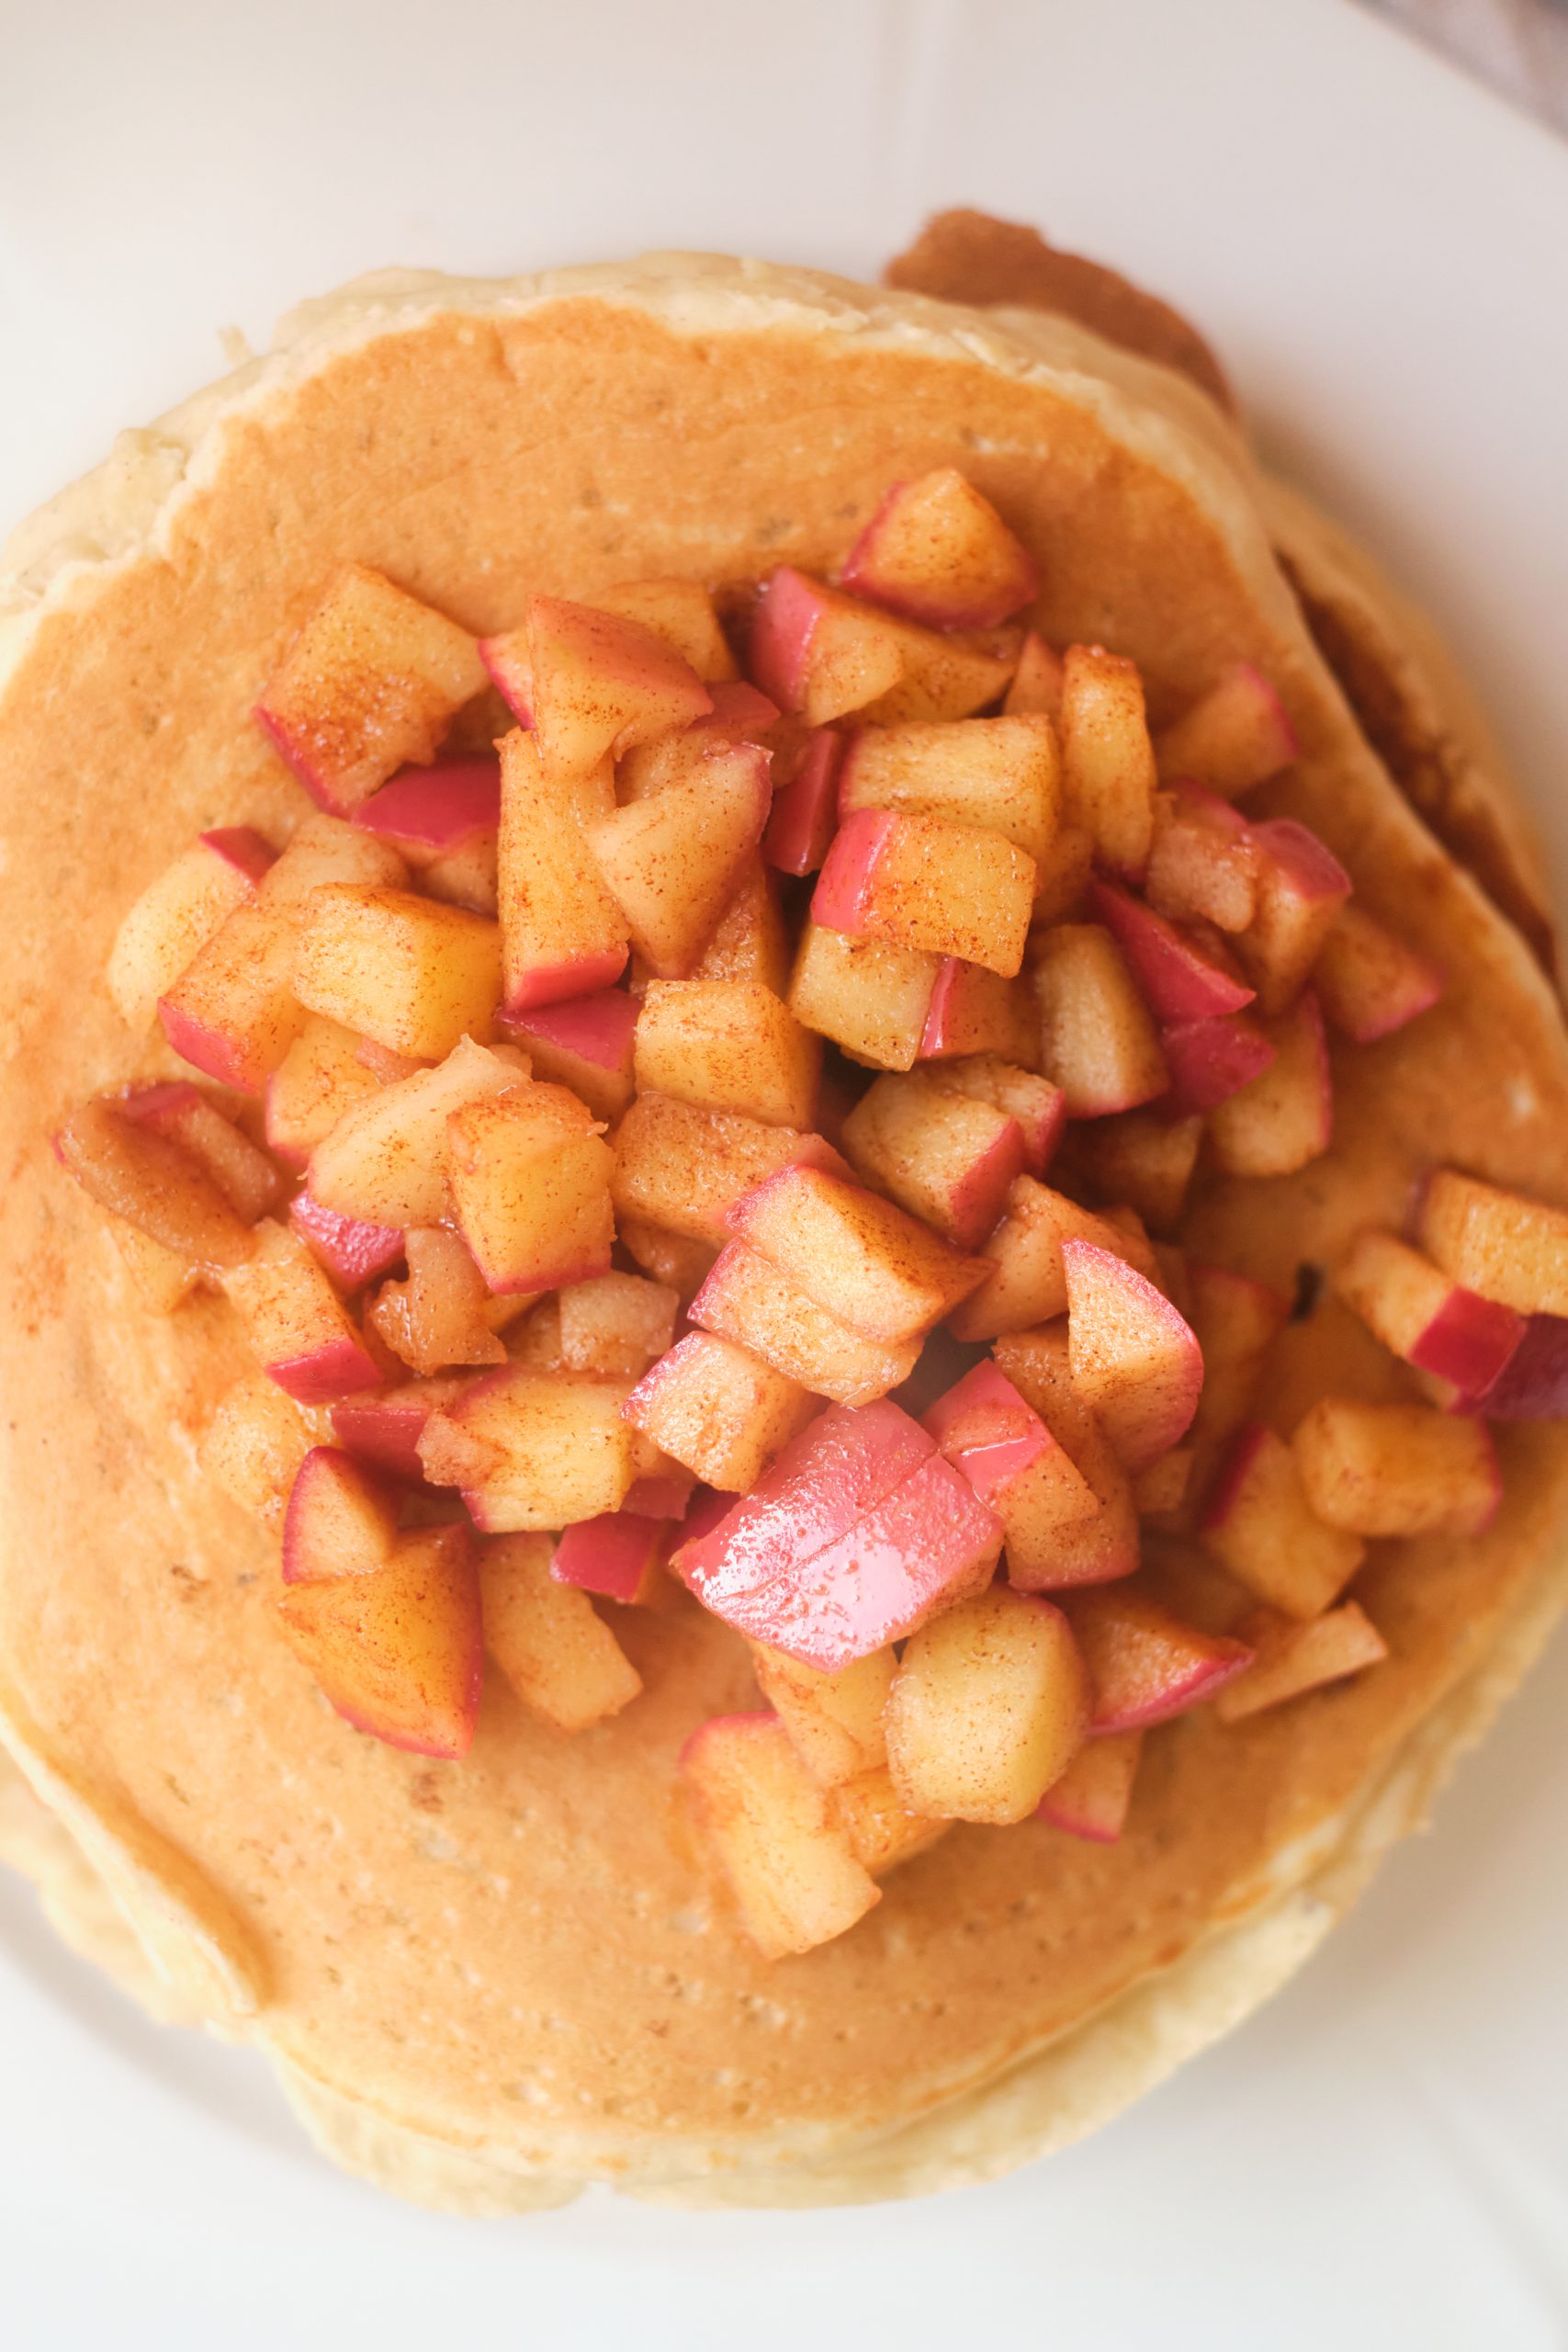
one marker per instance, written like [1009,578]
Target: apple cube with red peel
[805,812]
[319,1079]
[510,671]
[584,1042]
[1091,1797]
[1134,1360]
[175,917]
[1108,762]
[1396,1469]
[751,942]
[1236,1320]
[1039,1106]
[562,935]
[438,1316]
[919,883]
[720,1409]
[1211,1060]
[1533,1385]
[296,1322]
[384,1162]
[858,1533]
[1002,774]
[1302,888]
[601,682]
[1284,1117]
[746,1299]
[819,654]
[664,1494]
[1368,982]
[1104,1546]
[672,864]
[1261,1524]
[155,1184]
[399,1652]
[342,1521]
[1236,735]
[975,1012]
[947,675]
[681,612]
[1289,1659]
[882,1834]
[532,1450]
[1098,1041]
[1145,1664]
[939,552]
[1183,977]
[870,998]
[1144,1158]
[547,1637]
[1425,1317]
[406,970]
[984,1427]
[727,1046]
[371,681]
[769,1825]
[529,1174]
[352,1251]
[680,1264]
[684,1168]
[616,1554]
[442,820]
[616,1325]
[949,1159]
[384,1431]
[864,1260]
[1029,1283]
[253,1446]
[1203,863]
[245,1176]
[834,1720]
[989,1702]
[1498,1243]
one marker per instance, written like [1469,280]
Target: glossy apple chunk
[1027,1283]
[296,1322]
[155,1184]
[1091,1798]
[399,1652]
[615,1325]
[989,1702]
[1135,1360]
[860,1258]
[727,1046]
[768,1824]
[529,1175]
[1236,1320]
[1061,886]
[1533,1385]
[1002,774]
[1301,889]
[406,970]
[253,1446]
[1497,1243]
[680,613]
[1108,762]
[869,997]
[436,1317]
[384,1162]
[1260,1524]
[853,1536]
[430,813]
[671,862]
[342,1521]
[1396,1469]
[985,1428]
[1236,735]
[1182,976]
[618,1555]
[548,1640]
[746,1299]
[1097,1040]
[319,1078]
[1039,1107]
[1211,1060]
[1203,863]
[1104,1544]
[1145,1664]
[720,1409]
[1289,1659]
[1425,1317]
[805,812]
[562,935]
[245,1177]
[372,680]
[1144,1158]
[532,1450]
[682,1168]
[1368,982]
[1037,680]
[882,1834]
[1283,1117]
[938,553]
[586,1043]
[939,888]
[352,1251]
[835,1721]
[176,914]
[973,1012]
[751,942]
[819,654]
[947,1158]
[600,683]
[384,1430]
[948,674]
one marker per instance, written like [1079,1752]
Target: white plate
[1379,249]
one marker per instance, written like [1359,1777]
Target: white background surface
[1380,251]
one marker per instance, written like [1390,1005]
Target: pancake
[486,1983]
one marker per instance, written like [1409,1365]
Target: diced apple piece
[1261,1524]
[1108,762]
[1211,1060]
[410,972]
[1203,863]
[1145,1664]
[989,1702]
[1094,1549]
[1029,1283]
[1507,1247]
[1163,1486]
[1091,1797]
[385,1160]
[427,813]
[1098,1042]
[1237,1321]
[562,935]
[1284,1117]
[1396,1469]
[1533,1385]
[585,1042]
[918,883]
[1134,1360]
[805,812]
[860,1258]
[751,942]
[175,916]
[834,1720]
[1234,736]
[947,675]
[727,1046]
[1368,982]
[857,1533]
[1425,1317]
[162,1280]
[1289,1659]
[532,1450]
[671,862]
[985,1428]
[720,1409]
[599,682]
[436,1317]
[684,1168]
[1037,680]
[154,1183]
[1061,886]
[1038,1106]
[973,1012]
[618,1555]
[352,1251]
[949,1159]
[1002,774]
[253,1446]
[384,1431]
[529,1174]
[399,1652]
[681,612]
[371,681]
[882,1834]
[342,1519]
[549,1642]
[664,1494]
[245,1177]
[748,1300]
[1145,1159]
[1301,889]
[680,1264]
[819,654]
[296,1322]
[939,552]
[794,1876]
[870,998]
[615,1325]
[319,1079]
[1182,976]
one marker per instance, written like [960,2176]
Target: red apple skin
[506,659]
[1533,1384]
[597,1027]
[435,808]
[1211,1060]
[666,1496]
[610,1554]
[739,708]
[208,1051]
[837,902]
[326,1373]
[384,1431]
[352,1251]
[1145,1664]
[303,1558]
[987,1430]
[782,628]
[806,810]
[550,983]
[1473,1342]
[1090,1799]
[240,846]
[1178,980]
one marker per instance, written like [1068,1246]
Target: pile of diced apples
[628,1157]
